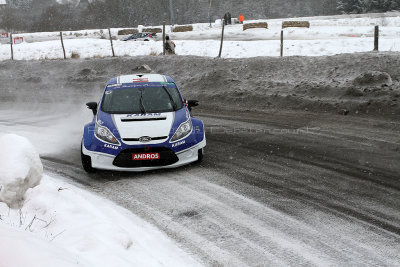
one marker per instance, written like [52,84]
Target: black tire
[200,155]
[146,40]
[87,163]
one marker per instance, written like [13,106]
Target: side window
[176,96]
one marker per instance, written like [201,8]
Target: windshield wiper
[141,102]
[170,98]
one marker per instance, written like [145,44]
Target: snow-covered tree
[328,7]
[362,6]
[352,6]
[382,5]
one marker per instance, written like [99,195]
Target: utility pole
[62,44]
[376,39]
[163,38]
[222,38]
[12,50]
[171,10]
[209,13]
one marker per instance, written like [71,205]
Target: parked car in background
[141,36]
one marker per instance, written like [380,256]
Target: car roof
[140,78]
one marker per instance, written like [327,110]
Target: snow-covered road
[275,187]
[270,199]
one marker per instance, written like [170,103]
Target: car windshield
[141,100]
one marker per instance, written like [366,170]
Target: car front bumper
[104,161]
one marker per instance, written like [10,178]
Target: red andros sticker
[145,156]
[138,80]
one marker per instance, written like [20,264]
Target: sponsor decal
[108,92]
[178,143]
[145,139]
[140,80]
[140,85]
[144,84]
[111,146]
[145,156]
[18,40]
[100,122]
[143,115]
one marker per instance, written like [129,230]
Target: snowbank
[58,224]
[20,169]
[19,248]
[62,225]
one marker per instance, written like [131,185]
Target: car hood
[132,126]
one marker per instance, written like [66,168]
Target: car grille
[138,139]
[124,158]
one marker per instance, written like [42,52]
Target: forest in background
[49,15]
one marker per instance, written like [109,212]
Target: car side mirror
[192,103]
[92,106]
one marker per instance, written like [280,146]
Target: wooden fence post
[62,44]
[112,46]
[376,39]
[222,38]
[163,38]
[281,43]
[12,50]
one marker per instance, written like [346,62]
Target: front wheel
[87,163]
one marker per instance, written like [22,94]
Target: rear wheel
[87,162]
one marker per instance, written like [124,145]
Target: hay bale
[155,30]
[127,31]
[301,24]
[183,28]
[255,25]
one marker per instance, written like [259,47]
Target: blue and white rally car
[142,123]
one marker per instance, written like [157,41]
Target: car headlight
[105,135]
[183,130]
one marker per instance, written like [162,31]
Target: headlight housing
[105,135]
[183,130]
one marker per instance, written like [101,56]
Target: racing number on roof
[138,80]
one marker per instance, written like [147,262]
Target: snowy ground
[326,36]
[263,195]
[279,199]
[62,225]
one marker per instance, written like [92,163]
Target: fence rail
[111,34]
